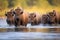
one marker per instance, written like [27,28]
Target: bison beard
[8,22]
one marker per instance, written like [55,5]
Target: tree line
[11,3]
[7,4]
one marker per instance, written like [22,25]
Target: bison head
[52,17]
[32,17]
[9,14]
[52,14]
[18,11]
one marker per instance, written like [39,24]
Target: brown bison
[35,18]
[52,18]
[44,19]
[10,18]
[21,18]
[49,18]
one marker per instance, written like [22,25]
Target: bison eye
[5,14]
[34,15]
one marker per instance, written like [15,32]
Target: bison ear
[34,15]
[21,12]
[5,14]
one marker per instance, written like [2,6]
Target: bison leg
[15,23]
[16,29]
[32,23]
[59,21]
[23,23]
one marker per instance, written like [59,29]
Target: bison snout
[17,19]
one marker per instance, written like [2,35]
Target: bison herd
[19,17]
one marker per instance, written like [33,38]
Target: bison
[44,19]
[10,18]
[21,17]
[49,18]
[35,19]
[52,18]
